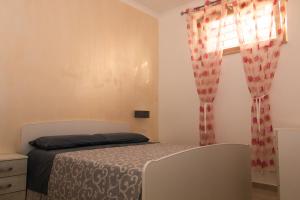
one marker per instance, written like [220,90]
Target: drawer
[13,196]
[13,167]
[12,184]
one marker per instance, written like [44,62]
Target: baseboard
[263,186]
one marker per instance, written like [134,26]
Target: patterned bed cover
[106,174]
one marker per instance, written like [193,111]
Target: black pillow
[68,141]
[124,138]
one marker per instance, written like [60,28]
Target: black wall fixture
[142,114]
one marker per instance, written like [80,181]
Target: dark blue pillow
[124,138]
[73,141]
[68,141]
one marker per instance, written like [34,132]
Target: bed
[139,171]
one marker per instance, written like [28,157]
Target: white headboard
[30,132]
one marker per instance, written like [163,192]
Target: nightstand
[13,170]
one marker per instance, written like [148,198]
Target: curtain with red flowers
[260,42]
[206,58]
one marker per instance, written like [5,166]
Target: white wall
[178,101]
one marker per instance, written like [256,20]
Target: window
[229,34]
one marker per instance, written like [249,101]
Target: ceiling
[160,6]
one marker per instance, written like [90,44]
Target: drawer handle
[6,170]
[5,187]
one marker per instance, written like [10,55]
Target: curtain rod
[200,7]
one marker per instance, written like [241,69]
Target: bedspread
[106,174]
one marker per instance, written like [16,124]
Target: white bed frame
[216,172]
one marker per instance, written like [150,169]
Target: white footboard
[217,172]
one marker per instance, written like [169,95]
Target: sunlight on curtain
[229,35]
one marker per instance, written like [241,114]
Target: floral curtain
[260,25]
[206,58]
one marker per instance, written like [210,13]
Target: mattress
[90,173]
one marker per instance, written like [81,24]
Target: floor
[261,194]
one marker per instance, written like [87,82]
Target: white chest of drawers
[289,163]
[13,169]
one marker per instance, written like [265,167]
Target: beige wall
[75,59]
[178,101]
